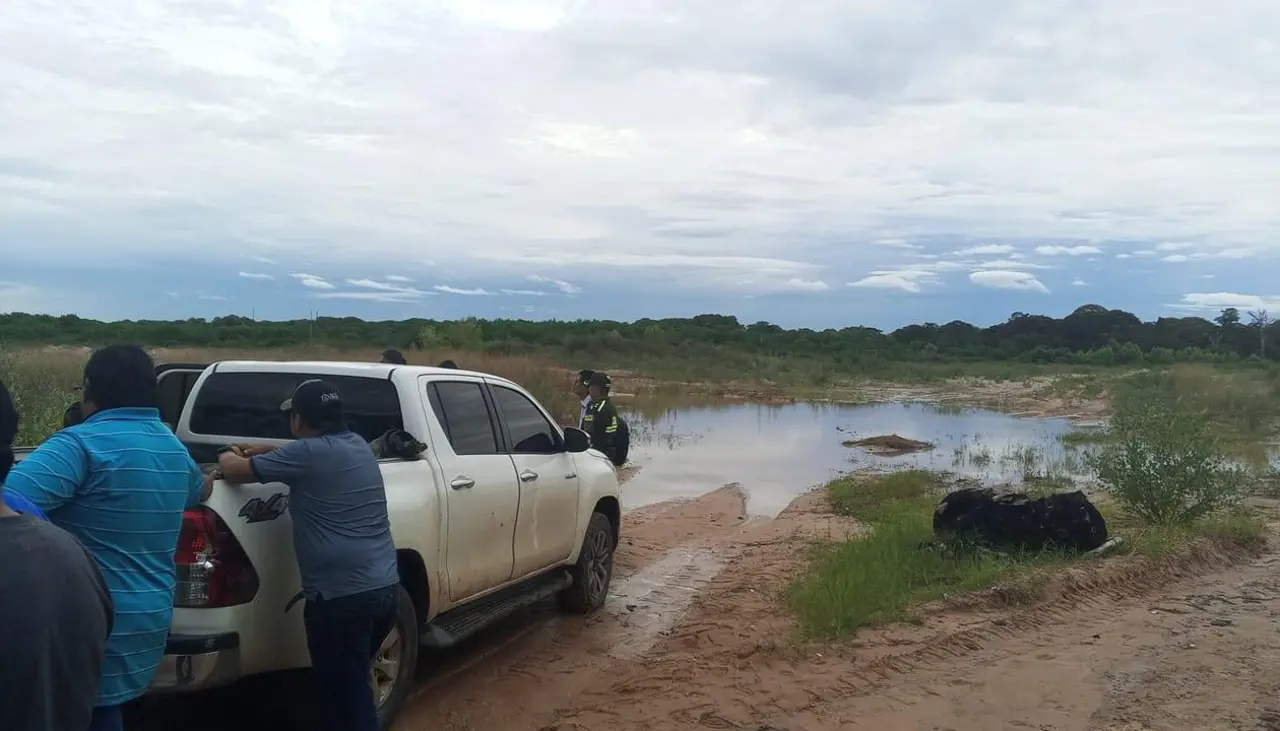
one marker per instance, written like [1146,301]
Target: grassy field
[887,575]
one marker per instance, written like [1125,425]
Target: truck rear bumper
[198,662]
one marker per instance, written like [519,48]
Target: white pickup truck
[502,509]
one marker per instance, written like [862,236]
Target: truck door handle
[570,475]
[462,483]
[528,476]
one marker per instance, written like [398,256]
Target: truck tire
[397,660]
[594,569]
[400,649]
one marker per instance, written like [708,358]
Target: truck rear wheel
[593,571]
[391,674]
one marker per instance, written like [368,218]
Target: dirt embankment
[697,636]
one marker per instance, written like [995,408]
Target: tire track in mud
[539,660]
[745,686]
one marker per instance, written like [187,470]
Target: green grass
[881,577]
[1081,437]
[1240,528]
[885,576]
[868,499]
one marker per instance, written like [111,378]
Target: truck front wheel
[594,569]
[395,662]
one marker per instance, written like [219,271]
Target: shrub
[1162,461]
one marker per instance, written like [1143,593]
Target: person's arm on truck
[199,485]
[262,463]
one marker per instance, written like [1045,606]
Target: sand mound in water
[891,443]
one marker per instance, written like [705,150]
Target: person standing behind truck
[609,433]
[582,389]
[119,482]
[342,539]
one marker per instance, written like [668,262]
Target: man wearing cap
[601,420]
[342,538]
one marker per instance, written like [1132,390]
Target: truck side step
[456,625]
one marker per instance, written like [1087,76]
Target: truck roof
[341,368]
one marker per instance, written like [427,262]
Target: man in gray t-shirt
[342,538]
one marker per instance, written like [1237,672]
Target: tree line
[1092,334]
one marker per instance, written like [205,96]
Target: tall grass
[1162,460]
[1244,401]
[41,383]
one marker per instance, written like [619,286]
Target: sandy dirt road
[695,636]
[1116,647]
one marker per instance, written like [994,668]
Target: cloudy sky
[817,163]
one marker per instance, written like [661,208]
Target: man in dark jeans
[342,537]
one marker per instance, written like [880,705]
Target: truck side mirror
[576,440]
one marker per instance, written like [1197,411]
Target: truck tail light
[213,569]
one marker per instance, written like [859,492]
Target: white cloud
[312,281]
[524,292]
[560,284]
[477,292]
[1176,258]
[1213,301]
[908,280]
[376,296]
[1007,279]
[803,285]
[695,145]
[397,278]
[986,250]
[383,292]
[1079,283]
[256,275]
[1067,250]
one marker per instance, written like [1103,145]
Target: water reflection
[776,452]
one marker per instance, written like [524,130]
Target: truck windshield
[247,405]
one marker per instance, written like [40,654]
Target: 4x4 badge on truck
[258,510]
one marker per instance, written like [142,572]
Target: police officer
[601,420]
[582,389]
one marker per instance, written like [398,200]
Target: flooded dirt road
[697,634]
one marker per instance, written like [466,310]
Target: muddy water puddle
[777,452]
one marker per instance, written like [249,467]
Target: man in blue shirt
[119,482]
[342,539]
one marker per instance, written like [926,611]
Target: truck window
[530,431]
[462,411]
[248,404]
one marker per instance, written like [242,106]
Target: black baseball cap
[584,376]
[391,355]
[316,401]
[600,378]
